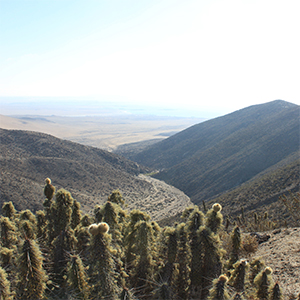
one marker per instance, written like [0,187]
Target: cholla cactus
[163,292]
[170,237]
[143,264]
[276,293]
[77,278]
[256,266]
[7,233]
[62,245]
[60,214]
[219,291]
[206,262]
[49,189]
[126,294]
[6,257]
[100,228]
[263,282]
[238,275]
[27,229]
[116,197]
[5,293]
[102,268]
[130,235]
[76,214]
[211,258]
[214,218]
[27,215]
[8,210]
[236,246]
[41,227]
[31,275]
[182,280]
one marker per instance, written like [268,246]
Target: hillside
[218,155]
[263,193]
[90,174]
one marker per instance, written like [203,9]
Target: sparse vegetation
[125,255]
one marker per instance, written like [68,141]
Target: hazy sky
[209,54]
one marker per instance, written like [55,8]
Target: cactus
[8,210]
[163,292]
[6,257]
[102,267]
[130,235]
[276,293]
[214,218]
[31,275]
[211,258]
[49,189]
[171,239]
[126,295]
[236,247]
[238,275]
[182,280]
[7,232]
[41,232]
[143,264]
[60,214]
[219,291]
[62,245]
[116,198]
[77,278]
[263,282]
[27,229]
[76,214]
[256,266]
[5,293]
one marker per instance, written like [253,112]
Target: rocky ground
[282,253]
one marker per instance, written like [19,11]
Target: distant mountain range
[218,155]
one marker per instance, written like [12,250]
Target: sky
[206,55]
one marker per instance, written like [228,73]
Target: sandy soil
[282,253]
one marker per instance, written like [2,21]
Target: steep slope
[90,174]
[217,155]
[263,192]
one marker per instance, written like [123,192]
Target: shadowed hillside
[217,155]
[27,158]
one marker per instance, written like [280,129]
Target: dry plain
[105,132]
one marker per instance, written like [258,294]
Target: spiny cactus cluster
[59,253]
